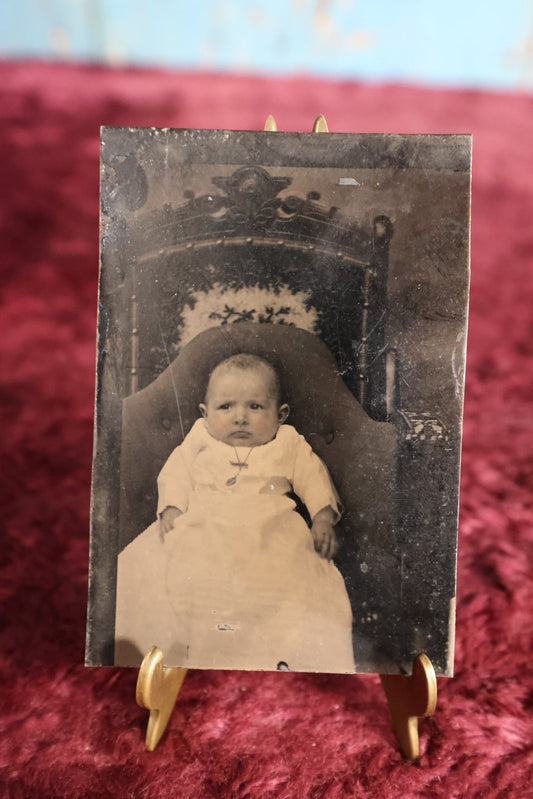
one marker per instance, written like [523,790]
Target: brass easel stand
[409,698]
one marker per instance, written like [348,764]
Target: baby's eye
[224,406]
[255,406]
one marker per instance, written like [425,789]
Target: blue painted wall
[457,42]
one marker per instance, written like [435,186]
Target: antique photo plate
[332,271]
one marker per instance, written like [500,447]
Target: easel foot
[157,690]
[409,698]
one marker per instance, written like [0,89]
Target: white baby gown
[237,583]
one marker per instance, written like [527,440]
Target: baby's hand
[325,539]
[324,534]
[167,519]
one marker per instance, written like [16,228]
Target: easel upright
[409,697]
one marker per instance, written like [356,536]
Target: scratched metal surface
[164,195]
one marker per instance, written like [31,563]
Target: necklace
[240,466]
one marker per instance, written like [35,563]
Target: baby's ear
[203,409]
[283,412]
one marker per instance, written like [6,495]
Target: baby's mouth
[241,434]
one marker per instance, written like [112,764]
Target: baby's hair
[246,360]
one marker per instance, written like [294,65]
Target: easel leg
[409,698]
[157,690]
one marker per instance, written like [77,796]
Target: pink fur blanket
[67,731]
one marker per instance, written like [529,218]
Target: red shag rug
[67,731]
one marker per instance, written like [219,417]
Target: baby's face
[241,407]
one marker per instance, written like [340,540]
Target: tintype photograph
[281,351]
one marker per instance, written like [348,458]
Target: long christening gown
[237,582]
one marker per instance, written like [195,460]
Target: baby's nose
[241,416]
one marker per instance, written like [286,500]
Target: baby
[243,408]
[230,575]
